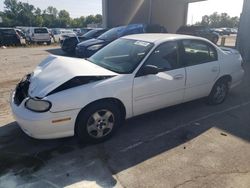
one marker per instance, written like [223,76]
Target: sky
[78,8]
[198,9]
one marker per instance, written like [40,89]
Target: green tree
[49,17]
[52,11]
[63,18]
[12,10]
[26,16]
[216,20]
[38,12]
[78,22]
[98,18]
[90,19]
[17,13]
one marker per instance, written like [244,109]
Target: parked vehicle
[199,31]
[131,76]
[58,32]
[55,34]
[87,48]
[66,34]
[226,31]
[69,44]
[218,30]
[234,31]
[38,35]
[11,36]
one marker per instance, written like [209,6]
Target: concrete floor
[189,145]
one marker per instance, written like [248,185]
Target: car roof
[6,28]
[159,38]
[38,28]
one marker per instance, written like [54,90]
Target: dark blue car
[88,48]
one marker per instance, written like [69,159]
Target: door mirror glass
[150,70]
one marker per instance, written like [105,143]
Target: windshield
[66,32]
[40,30]
[90,33]
[122,56]
[112,34]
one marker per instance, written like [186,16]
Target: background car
[200,31]
[69,44]
[64,34]
[55,34]
[87,48]
[38,35]
[234,30]
[218,30]
[131,76]
[226,31]
[11,36]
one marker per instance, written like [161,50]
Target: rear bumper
[237,78]
[40,40]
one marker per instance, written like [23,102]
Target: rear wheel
[98,122]
[219,92]
[49,42]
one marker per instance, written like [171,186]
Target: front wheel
[219,92]
[98,122]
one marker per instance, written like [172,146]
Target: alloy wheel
[100,123]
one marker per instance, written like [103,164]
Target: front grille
[22,91]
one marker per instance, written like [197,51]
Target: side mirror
[150,70]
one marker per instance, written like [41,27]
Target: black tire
[219,92]
[86,115]
[48,43]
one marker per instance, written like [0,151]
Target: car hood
[56,70]
[91,42]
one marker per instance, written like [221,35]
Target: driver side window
[165,57]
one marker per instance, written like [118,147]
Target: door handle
[215,69]
[178,77]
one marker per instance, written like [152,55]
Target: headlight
[37,105]
[95,47]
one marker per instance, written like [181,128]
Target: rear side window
[8,32]
[40,30]
[98,33]
[185,29]
[198,52]
[133,31]
[165,57]
[155,29]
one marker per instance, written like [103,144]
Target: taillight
[18,36]
[242,64]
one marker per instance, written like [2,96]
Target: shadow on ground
[58,51]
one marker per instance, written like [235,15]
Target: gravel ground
[14,64]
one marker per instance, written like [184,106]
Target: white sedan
[133,75]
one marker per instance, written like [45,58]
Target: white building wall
[169,13]
[243,41]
